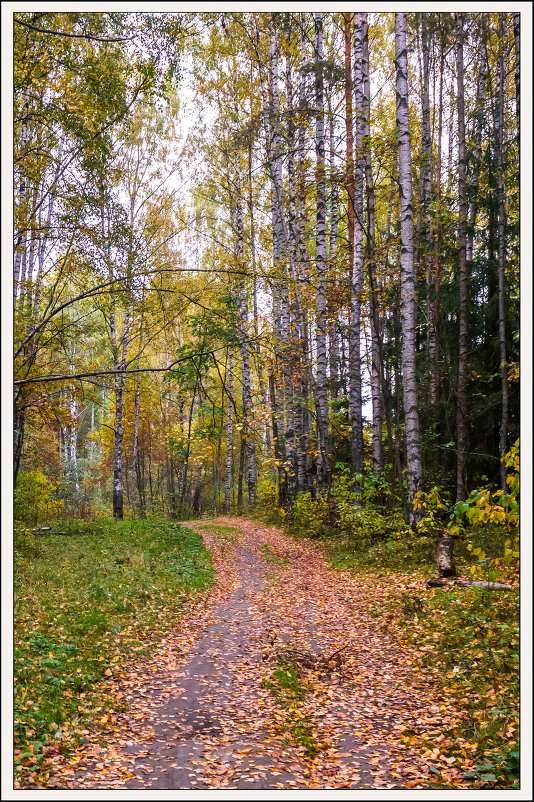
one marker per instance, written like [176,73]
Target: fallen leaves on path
[201,713]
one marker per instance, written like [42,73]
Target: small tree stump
[444,554]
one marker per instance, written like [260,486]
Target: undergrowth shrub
[308,516]
[496,514]
[267,504]
[35,499]
[359,518]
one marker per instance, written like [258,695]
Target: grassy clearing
[86,606]
[465,639]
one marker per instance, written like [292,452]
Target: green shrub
[359,519]
[34,499]
[308,516]
[267,493]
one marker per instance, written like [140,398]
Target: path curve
[201,716]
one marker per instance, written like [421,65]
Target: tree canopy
[258,253]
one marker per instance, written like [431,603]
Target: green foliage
[267,505]
[402,552]
[494,510]
[34,499]
[86,606]
[359,519]
[433,505]
[308,516]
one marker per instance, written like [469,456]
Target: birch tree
[408,308]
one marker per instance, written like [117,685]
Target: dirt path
[200,714]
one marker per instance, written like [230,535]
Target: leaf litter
[201,713]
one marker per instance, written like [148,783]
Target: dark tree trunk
[242,456]
[461,417]
[501,253]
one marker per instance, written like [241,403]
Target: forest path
[200,714]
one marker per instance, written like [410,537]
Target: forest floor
[283,679]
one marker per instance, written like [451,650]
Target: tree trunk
[444,554]
[259,365]
[323,464]
[281,315]
[244,347]
[229,432]
[242,456]
[376,345]
[461,417]
[501,252]
[435,376]
[476,159]
[119,384]
[306,474]
[408,306]
[183,488]
[278,451]
[460,583]
[135,453]
[355,378]
[19,420]
[333,325]
[426,210]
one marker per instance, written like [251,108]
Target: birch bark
[355,377]
[229,431]
[408,307]
[476,157]
[376,345]
[244,347]
[323,467]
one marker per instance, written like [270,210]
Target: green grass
[88,603]
[286,685]
[226,534]
[271,557]
[397,554]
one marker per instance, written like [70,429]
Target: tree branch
[76,376]
[74,35]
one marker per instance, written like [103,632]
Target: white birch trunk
[376,348]
[229,431]
[244,347]
[355,373]
[320,257]
[408,307]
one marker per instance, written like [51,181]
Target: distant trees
[337,288]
